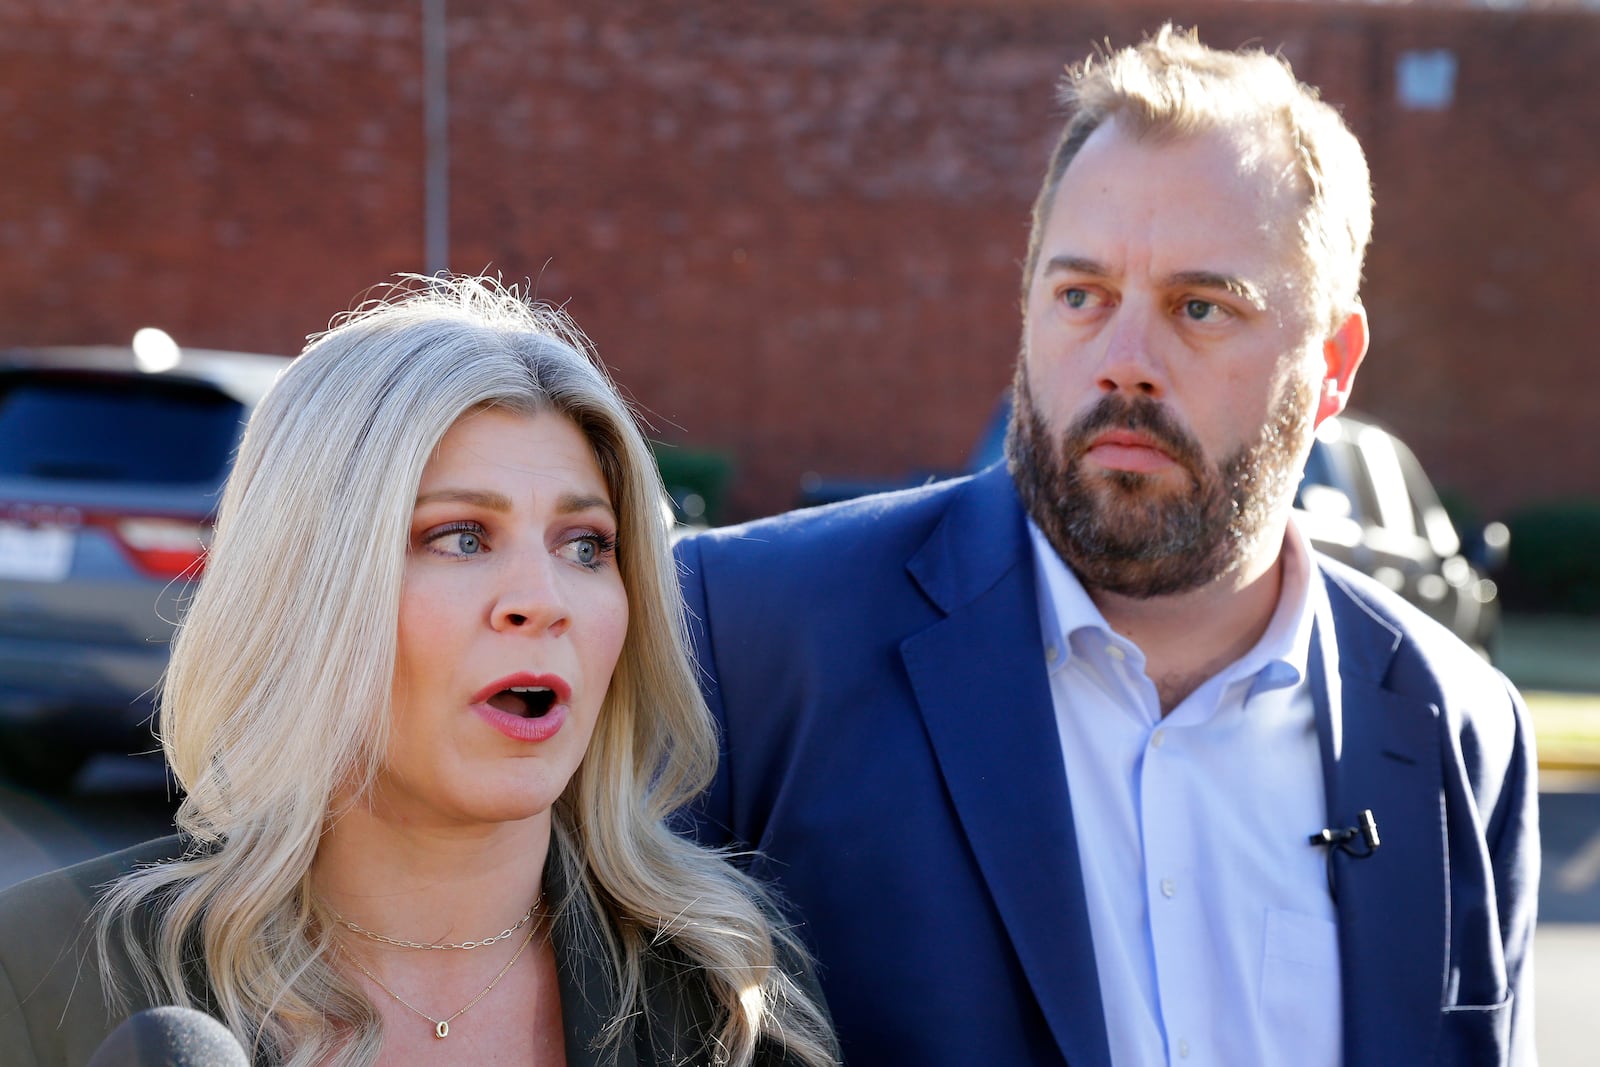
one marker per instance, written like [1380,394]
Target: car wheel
[39,765]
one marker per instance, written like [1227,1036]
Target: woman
[430,708]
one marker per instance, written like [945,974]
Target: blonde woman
[429,708]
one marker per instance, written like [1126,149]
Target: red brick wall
[792,230]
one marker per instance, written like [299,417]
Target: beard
[1127,533]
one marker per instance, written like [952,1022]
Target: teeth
[530,689]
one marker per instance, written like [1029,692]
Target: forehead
[499,443]
[1226,201]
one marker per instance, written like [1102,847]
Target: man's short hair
[1170,85]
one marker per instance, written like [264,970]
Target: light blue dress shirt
[1215,938]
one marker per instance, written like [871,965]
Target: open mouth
[524,701]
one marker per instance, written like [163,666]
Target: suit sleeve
[14,1038]
[53,1006]
[1513,838]
[709,820]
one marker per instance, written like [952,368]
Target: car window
[1319,468]
[122,429]
[1383,482]
[1430,515]
[1335,461]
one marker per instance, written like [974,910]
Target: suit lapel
[1381,752]
[980,681]
[979,678]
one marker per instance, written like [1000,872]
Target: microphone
[1344,840]
[170,1037]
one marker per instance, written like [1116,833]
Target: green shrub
[1555,558]
[697,480]
[1464,514]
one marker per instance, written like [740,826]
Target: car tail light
[162,546]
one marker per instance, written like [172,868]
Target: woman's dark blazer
[53,1010]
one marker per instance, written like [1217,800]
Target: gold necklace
[441,1027]
[486,942]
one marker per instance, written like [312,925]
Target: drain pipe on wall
[436,128]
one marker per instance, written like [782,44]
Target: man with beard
[1091,759]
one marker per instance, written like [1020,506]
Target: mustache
[1115,411]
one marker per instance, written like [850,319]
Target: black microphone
[1344,840]
[170,1037]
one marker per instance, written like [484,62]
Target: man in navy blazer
[1089,759]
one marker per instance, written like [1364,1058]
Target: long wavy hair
[289,643]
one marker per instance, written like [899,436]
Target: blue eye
[591,550]
[1202,310]
[457,540]
[1075,298]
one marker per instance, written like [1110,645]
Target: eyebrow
[570,502]
[1076,265]
[1205,279]
[483,498]
[1199,279]
[486,498]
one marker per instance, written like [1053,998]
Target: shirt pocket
[1300,999]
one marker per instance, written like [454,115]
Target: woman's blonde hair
[275,702]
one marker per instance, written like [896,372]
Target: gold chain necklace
[486,942]
[441,1027]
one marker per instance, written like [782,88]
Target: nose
[1129,364]
[531,599]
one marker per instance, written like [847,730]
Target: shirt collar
[1065,609]
[1068,617]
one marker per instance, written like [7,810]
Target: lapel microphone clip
[1357,842]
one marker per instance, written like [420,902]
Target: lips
[1129,450]
[1127,439]
[1136,435]
[524,706]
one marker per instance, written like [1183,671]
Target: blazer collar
[1380,752]
[982,539]
[980,681]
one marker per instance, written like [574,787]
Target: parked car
[1363,499]
[109,477]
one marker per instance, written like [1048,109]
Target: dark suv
[109,476]
[1364,500]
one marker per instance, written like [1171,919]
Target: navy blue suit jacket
[890,749]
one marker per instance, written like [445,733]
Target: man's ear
[1342,353]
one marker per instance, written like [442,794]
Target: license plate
[34,553]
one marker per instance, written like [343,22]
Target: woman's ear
[1342,353]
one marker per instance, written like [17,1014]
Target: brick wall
[792,230]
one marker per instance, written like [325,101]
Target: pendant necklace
[441,1027]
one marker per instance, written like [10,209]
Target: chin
[486,800]
[511,798]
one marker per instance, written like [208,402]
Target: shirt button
[1158,739]
[1052,653]
[1168,887]
[1115,652]
[1183,1049]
